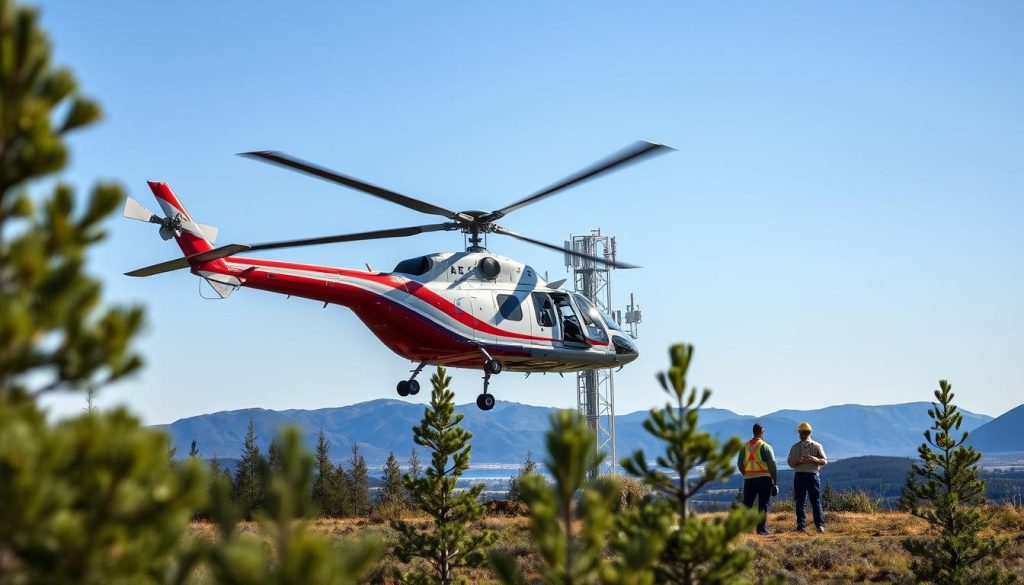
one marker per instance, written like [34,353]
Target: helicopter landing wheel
[411,386]
[485,401]
[492,367]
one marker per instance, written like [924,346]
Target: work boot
[821,528]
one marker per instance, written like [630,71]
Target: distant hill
[506,434]
[873,430]
[1003,433]
[878,476]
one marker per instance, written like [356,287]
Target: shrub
[387,512]
[854,501]
[631,490]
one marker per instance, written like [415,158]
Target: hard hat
[804,426]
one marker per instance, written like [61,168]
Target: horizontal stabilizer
[217,253]
[169,266]
[179,263]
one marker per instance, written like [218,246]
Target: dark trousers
[804,485]
[760,488]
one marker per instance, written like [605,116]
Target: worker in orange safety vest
[756,461]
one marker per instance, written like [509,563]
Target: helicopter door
[572,329]
[464,306]
[481,308]
[546,318]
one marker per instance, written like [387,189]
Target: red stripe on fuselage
[402,329]
[411,287]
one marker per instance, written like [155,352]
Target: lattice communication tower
[595,389]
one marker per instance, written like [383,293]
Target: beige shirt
[808,447]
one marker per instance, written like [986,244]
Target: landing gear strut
[491,367]
[411,386]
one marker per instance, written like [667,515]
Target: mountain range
[508,433]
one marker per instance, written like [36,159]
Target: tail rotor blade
[135,210]
[209,231]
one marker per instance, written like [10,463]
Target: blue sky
[841,222]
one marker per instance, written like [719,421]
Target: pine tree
[193,452]
[447,543]
[217,472]
[415,467]
[338,490]
[697,550]
[415,471]
[250,472]
[392,490]
[945,490]
[273,457]
[357,486]
[93,498]
[55,333]
[289,550]
[581,557]
[326,492]
[515,493]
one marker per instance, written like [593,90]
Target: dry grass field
[859,548]
[855,548]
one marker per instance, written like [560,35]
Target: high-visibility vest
[754,465]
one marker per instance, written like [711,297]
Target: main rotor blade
[288,161]
[598,259]
[374,235]
[625,157]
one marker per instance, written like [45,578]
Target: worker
[756,461]
[807,457]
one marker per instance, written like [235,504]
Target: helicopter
[472,309]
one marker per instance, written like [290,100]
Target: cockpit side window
[509,308]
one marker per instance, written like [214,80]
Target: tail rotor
[169,226]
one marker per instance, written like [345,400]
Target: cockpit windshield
[610,322]
[594,313]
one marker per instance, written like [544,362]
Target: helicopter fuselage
[452,309]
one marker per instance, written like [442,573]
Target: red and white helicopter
[471,309]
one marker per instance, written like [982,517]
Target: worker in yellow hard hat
[806,458]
